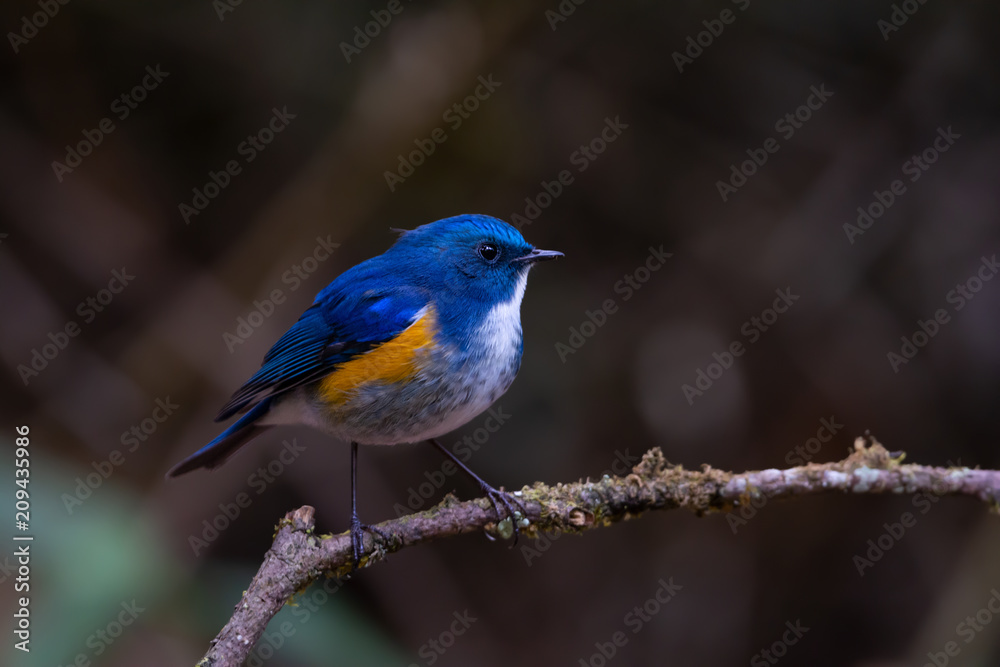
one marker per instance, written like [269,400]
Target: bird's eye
[489,251]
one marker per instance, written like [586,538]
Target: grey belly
[432,404]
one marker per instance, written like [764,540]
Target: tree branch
[298,556]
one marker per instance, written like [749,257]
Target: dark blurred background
[128,568]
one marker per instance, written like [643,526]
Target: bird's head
[470,257]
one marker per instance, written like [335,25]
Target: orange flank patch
[395,361]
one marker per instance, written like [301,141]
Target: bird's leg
[496,496]
[357,537]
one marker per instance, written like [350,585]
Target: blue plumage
[461,278]
[242,431]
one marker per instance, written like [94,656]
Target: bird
[404,347]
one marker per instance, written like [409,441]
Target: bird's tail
[216,452]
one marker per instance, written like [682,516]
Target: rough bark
[298,556]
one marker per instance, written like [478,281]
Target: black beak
[537,255]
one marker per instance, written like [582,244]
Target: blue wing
[359,310]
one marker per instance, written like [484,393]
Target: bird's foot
[498,498]
[358,537]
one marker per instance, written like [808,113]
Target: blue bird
[403,347]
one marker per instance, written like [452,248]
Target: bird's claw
[497,498]
[358,537]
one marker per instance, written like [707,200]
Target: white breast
[500,332]
[491,371]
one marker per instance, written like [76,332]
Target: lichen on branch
[298,556]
